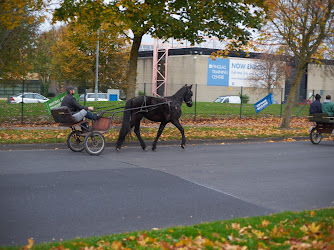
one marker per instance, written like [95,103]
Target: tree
[42,57]
[190,20]
[69,62]
[74,56]
[19,22]
[269,72]
[303,27]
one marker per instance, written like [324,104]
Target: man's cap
[317,97]
[69,88]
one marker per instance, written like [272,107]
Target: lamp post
[97,65]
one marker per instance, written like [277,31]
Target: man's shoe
[100,114]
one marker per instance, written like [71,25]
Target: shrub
[244,98]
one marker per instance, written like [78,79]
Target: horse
[157,109]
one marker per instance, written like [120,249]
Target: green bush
[244,98]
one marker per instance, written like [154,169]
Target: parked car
[27,98]
[228,99]
[305,102]
[90,97]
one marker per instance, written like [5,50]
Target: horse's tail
[126,125]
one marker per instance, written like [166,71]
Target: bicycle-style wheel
[75,141]
[94,143]
[315,136]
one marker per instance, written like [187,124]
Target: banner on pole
[264,102]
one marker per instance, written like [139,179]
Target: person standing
[315,106]
[78,111]
[328,106]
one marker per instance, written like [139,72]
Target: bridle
[190,101]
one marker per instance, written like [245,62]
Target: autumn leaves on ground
[288,230]
[201,128]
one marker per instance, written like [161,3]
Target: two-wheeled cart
[85,135]
[323,123]
[88,135]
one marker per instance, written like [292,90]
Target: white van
[90,97]
[228,99]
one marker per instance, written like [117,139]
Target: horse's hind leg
[161,128]
[121,138]
[137,132]
[179,126]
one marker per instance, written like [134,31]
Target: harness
[147,108]
[143,107]
[169,108]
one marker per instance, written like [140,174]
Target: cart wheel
[75,142]
[315,136]
[94,143]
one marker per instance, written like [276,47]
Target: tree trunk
[291,98]
[131,78]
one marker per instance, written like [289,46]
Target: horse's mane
[178,93]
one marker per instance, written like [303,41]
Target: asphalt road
[58,194]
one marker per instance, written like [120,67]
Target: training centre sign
[264,102]
[231,72]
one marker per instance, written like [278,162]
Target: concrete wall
[320,77]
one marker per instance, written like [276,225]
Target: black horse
[163,110]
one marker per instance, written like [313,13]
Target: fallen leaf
[265,223]
[313,228]
[30,244]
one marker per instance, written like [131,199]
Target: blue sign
[264,102]
[218,72]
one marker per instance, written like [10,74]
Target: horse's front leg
[161,128]
[137,132]
[179,126]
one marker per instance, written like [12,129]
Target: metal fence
[10,88]
[203,93]
[206,93]
[250,95]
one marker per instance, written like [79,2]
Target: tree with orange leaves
[19,20]
[74,55]
[304,28]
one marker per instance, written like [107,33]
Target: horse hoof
[144,148]
[118,149]
[183,146]
[154,149]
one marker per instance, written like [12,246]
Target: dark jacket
[70,102]
[315,107]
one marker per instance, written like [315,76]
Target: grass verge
[287,230]
[36,112]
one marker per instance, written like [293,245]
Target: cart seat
[63,115]
[321,117]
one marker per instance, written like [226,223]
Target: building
[226,76]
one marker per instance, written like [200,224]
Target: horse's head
[188,96]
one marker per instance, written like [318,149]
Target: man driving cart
[78,111]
